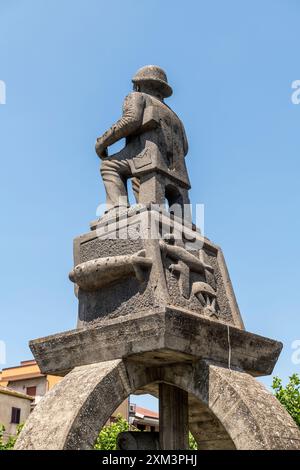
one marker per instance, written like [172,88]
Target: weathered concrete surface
[228,408]
[174,269]
[98,273]
[71,414]
[166,337]
[135,440]
[173,417]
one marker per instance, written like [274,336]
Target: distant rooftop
[29,362]
[10,391]
[145,412]
[26,370]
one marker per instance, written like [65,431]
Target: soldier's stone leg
[115,173]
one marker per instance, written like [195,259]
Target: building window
[15,415]
[31,391]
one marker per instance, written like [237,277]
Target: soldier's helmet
[156,76]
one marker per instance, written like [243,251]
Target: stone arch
[228,409]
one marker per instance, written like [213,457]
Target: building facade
[143,419]
[28,379]
[15,408]
[26,384]
[23,386]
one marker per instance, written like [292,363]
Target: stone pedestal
[164,337]
[158,315]
[144,259]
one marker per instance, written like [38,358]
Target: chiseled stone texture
[160,286]
[253,417]
[133,440]
[68,415]
[167,336]
[228,409]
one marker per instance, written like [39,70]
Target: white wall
[6,404]
[39,382]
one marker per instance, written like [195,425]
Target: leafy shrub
[107,438]
[9,445]
[289,396]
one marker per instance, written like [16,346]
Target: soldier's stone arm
[131,120]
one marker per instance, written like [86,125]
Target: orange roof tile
[146,412]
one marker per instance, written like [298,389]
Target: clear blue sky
[67,66]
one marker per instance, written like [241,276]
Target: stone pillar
[173,418]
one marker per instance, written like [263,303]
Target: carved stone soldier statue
[156,314]
[156,145]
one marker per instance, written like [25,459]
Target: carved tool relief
[186,263]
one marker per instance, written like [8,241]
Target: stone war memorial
[157,312]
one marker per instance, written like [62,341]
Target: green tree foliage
[192,442]
[289,396]
[107,439]
[9,445]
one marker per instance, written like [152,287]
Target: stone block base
[157,338]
